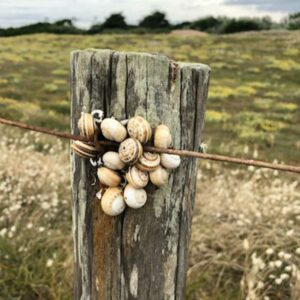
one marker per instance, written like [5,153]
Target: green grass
[252,73]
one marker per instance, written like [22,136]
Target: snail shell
[84,149]
[112,201]
[162,136]
[87,127]
[112,160]
[134,198]
[159,176]
[108,177]
[169,161]
[113,130]
[130,151]
[148,161]
[139,128]
[137,178]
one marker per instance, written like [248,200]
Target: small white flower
[288,268]
[251,168]
[239,223]
[266,298]
[278,263]
[298,251]
[269,251]
[29,225]
[284,276]
[41,229]
[45,205]
[260,285]
[287,256]
[246,244]
[290,232]
[49,263]
[3,232]
[278,281]
[281,254]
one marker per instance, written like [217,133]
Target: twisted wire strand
[186,153]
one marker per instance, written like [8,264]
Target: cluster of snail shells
[127,172]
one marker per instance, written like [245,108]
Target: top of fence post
[142,253]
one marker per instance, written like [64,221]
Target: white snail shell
[112,201]
[148,161]
[139,128]
[108,177]
[169,161]
[162,137]
[87,127]
[84,149]
[134,198]
[130,151]
[137,178]
[112,161]
[113,130]
[159,176]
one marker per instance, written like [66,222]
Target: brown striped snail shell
[159,176]
[108,177]
[112,201]
[148,161]
[130,151]
[169,161]
[87,126]
[84,149]
[113,130]
[162,137]
[112,161]
[139,128]
[134,198]
[137,178]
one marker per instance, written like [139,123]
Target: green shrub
[155,20]
[294,21]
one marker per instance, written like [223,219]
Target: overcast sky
[20,12]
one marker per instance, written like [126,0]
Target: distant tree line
[158,22]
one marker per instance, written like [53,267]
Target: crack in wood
[113,259]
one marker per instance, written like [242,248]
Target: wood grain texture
[141,254]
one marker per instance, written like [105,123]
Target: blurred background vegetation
[245,240]
[157,22]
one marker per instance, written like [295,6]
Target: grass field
[253,99]
[245,240]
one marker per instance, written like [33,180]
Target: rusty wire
[187,153]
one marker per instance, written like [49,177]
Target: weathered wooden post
[141,254]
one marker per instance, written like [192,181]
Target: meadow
[245,240]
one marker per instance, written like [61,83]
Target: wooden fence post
[142,253]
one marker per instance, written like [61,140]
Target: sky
[86,12]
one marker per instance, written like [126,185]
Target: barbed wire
[187,153]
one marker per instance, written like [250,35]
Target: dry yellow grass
[245,239]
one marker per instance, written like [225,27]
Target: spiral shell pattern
[84,149]
[130,151]
[140,129]
[112,201]
[148,161]
[137,178]
[87,126]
